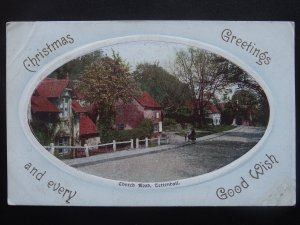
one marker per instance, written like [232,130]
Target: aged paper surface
[151,113]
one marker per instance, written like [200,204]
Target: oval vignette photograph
[148,111]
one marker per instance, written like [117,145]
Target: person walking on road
[187,136]
[193,136]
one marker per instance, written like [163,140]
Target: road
[184,162]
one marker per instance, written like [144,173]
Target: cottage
[130,115]
[65,115]
[55,104]
[85,130]
[210,110]
[213,113]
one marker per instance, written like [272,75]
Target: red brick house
[54,103]
[130,115]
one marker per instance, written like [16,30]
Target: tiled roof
[42,104]
[78,94]
[212,108]
[128,114]
[51,87]
[147,101]
[209,106]
[78,108]
[87,126]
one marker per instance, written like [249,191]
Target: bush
[146,127]
[41,131]
[209,121]
[184,111]
[144,130]
[169,122]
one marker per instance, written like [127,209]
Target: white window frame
[64,107]
[157,115]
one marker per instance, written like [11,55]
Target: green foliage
[146,126]
[144,130]
[165,88]
[184,111]
[42,131]
[217,129]
[203,73]
[105,82]
[169,121]
[246,82]
[170,124]
[246,105]
[264,110]
[209,121]
[74,68]
[207,76]
[228,114]
[245,98]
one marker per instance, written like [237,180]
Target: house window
[63,141]
[121,126]
[157,115]
[64,107]
[156,127]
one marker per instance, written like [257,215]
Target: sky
[150,52]
[146,51]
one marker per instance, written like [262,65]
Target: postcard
[151,113]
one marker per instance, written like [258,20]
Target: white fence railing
[138,143]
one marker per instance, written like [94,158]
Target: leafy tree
[74,68]
[244,98]
[246,82]
[228,113]
[105,82]
[165,88]
[246,104]
[205,74]
[43,131]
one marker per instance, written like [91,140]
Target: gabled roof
[209,106]
[128,114]
[78,95]
[147,101]
[86,125]
[51,87]
[212,108]
[78,108]
[42,104]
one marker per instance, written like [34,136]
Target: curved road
[184,162]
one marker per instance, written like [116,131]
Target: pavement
[176,141]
